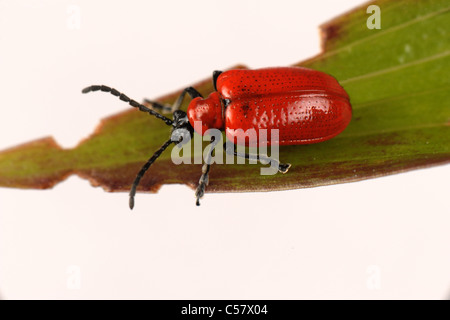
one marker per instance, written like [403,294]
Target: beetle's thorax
[208,111]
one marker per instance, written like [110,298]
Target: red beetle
[306,106]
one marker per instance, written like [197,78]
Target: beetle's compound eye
[180,136]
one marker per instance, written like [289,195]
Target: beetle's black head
[182,130]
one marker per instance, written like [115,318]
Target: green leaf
[396,76]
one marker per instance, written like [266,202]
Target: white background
[380,238]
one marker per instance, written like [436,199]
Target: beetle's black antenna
[144,169]
[131,102]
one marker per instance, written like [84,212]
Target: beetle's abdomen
[301,118]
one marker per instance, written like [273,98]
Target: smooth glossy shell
[306,106]
[208,111]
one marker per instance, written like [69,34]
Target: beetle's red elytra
[307,106]
[304,105]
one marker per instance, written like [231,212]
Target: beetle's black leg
[193,93]
[167,108]
[204,178]
[216,74]
[202,183]
[131,102]
[144,169]
[282,167]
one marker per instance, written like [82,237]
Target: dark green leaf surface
[397,78]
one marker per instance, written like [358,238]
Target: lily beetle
[306,106]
